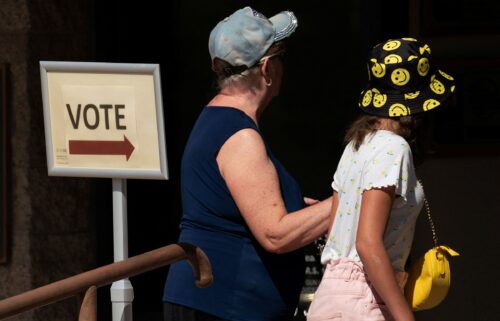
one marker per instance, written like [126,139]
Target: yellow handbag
[429,277]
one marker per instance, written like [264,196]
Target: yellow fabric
[429,279]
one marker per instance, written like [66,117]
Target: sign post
[122,292]
[106,120]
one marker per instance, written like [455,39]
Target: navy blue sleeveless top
[250,283]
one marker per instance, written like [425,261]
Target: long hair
[414,129]
[360,128]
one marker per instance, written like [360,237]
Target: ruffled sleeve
[392,165]
[336,177]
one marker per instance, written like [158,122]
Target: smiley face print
[378,69]
[391,45]
[445,75]
[392,59]
[412,57]
[400,77]
[436,85]
[452,88]
[430,104]
[423,66]
[412,95]
[398,110]
[379,99]
[367,98]
[424,49]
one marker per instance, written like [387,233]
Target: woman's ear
[265,71]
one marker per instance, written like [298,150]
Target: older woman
[239,203]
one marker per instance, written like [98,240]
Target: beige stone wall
[51,227]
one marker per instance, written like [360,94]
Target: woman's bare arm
[253,182]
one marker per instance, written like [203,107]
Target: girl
[377,196]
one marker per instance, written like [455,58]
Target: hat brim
[284,24]
[431,96]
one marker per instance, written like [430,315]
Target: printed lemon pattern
[403,80]
[382,160]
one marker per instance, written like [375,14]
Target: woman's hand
[254,185]
[310,201]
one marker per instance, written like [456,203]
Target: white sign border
[101,67]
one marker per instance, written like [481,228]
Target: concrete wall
[51,223]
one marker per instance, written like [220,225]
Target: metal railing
[89,281]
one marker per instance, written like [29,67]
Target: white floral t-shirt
[384,159]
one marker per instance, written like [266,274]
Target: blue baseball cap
[243,38]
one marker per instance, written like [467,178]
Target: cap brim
[284,24]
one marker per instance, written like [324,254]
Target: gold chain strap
[431,222]
[320,244]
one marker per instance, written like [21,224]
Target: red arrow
[101,147]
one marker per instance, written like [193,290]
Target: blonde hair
[241,79]
[228,75]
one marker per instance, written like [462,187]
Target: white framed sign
[103,120]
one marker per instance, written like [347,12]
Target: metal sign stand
[122,292]
[72,151]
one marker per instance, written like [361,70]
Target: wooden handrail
[107,274]
[88,308]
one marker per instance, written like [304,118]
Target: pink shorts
[345,294]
